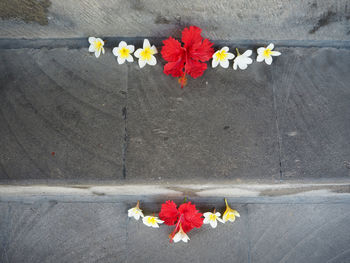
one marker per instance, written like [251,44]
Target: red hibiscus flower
[187,59]
[187,216]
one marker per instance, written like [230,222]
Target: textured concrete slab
[220,126]
[312,101]
[62,232]
[226,19]
[299,232]
[285,230]
[61,115]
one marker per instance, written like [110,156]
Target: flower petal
[224,63]
[142,63]
[206,220]
[177,237]
[146,43]
[122,44]
[242,65]
[268,60]
[154,50]
[230,56]
[275,53]
[152,61]
[92,48]
[214,63]
[195,68]
[91,40]
[103,50]
[138,53]
[172,50]
[248,60]
[225,48]
[115,51]
[130,58]
[131,48]
[248,53]
[260,58]
[235,64]
[270,46]
[97,53]
[213,223]
[206,214]
[120,60]
[260,50]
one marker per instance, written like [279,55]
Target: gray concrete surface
[68,115]
[275,229]
[224,19]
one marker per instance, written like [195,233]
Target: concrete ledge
[227,19]
[132,191]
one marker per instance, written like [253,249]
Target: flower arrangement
[186,58]
[184,218]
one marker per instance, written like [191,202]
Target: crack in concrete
[124,113]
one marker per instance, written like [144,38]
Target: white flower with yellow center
[96,45]
[123,52]
[212,218]
[266,54]
[152,221]
[229,214]
[135,212]
[145,54]
[181,235]
[222,57]
[242,61]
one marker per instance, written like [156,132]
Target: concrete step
[67,116]
[61,224]
[225,19]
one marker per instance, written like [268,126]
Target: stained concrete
[27,10]
[225,19]
[50,230]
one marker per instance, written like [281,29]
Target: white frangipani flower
[96,45]
[242,61]
[135,212]
[222,57]
[181,235]
[123,52]
[145,54]
[152,221]
[212,218]
[266,54]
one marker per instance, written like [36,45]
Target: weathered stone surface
[60,115]
[284,230]
[219,127]
[62,232]
[227,19]
[313,98]
[299,232]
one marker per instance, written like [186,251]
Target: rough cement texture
[67,115]
[61,115]
[48,230]
[220,126]
[312,90]
[224,19]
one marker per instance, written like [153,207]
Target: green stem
[238,54]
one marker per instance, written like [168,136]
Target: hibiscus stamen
[183,80]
